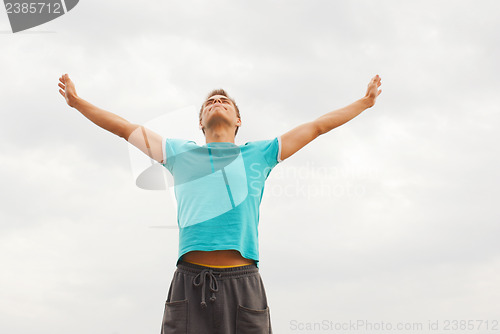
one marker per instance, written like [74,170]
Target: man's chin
[217,121]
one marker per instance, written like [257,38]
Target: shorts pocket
[251,321]
[175,317]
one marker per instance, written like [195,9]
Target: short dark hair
[222,92]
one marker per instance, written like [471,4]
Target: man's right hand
[68,90]
[373,92]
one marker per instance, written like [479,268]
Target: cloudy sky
[389,218]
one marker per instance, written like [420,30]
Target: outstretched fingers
[376,80]
[64,78]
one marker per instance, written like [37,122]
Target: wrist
[74,101]
[368,102]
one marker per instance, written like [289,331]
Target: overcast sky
[389,218]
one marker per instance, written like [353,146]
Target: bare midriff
[228,257]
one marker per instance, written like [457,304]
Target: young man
[218,187]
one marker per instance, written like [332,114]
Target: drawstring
[213,285]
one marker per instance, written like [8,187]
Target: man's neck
[219,136]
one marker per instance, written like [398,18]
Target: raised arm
[295,139]
[144,139]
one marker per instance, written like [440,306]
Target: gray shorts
[208,300]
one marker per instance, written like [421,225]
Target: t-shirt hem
[201,248]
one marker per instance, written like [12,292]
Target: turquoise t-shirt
[219,187]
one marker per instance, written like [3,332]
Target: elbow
[325,125]
[320,128]
[121,132]
[124,130]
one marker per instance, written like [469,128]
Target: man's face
[217,109]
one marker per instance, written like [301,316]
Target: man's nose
[218,101]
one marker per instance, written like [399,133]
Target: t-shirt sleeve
[171,147]
[167,156]
[164,158]
[271,149]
